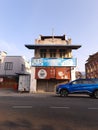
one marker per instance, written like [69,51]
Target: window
[62,53]
[52,53]
[8,66]
[43,53]
[76,82]
[22,67]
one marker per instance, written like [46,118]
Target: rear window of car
[95,81]
[90,81]
[85,81]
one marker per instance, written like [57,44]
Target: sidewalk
[12,92]
[7,92]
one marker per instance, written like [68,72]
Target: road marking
[60,107]
[21,107]
[93,108]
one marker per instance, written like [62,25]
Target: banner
[44,62]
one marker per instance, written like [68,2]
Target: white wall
[33,80]
[24,83]
[73,73]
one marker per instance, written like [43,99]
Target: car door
[76,86]
[88,85]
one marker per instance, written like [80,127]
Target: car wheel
[64,93]
[96,94]
[91,95]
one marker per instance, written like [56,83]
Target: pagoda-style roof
[66,46]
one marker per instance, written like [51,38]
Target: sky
[22,21]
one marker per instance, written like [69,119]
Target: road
[48,112]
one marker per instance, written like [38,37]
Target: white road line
[93,108]
[59,107]
[21,107]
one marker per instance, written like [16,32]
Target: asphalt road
[48,112]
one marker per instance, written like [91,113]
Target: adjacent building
[52,63]
[11,67]
[91,66]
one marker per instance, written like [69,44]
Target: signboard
[53,73]
[42,73]
[63,73]
[53,62]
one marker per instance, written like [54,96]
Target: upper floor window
[52,53]
[8,66]
[43,53]
[62,53]
[22,67]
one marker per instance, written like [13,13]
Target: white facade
[13,65]
[24,83]
[33,81]
[73,73]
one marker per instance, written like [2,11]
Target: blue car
[84,86]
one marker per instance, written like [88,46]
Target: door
[76,86]
[24,83]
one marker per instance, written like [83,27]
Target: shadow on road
[23,125]
[74,96]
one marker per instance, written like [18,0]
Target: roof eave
[66,46]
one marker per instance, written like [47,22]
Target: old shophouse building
[52,63]
[91,66]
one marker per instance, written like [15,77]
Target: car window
[91,82]
[76,82]
[85,81]
[95,81]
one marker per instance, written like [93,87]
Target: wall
[33,84]
[17,61]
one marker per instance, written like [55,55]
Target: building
[11,67]
[52,63]
[91,66]
[80,75]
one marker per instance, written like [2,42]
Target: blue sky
[22,21]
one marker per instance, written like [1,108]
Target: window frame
[43,53]
[52,53]
[8,66]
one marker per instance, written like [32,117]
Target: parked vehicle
[84,86]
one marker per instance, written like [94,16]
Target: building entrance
[48,85]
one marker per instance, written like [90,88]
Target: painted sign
[53,73]
[42,73]
[53,62]
[63,73]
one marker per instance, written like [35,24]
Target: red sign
[42,73]
[53,72]
[63,73]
